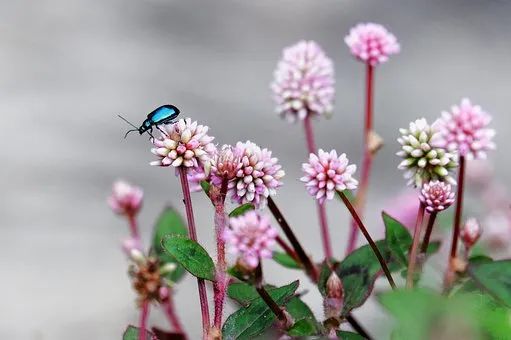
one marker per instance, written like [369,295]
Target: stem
[412,260]
[133,226]
[144,314]
[367,160]
[364,231]
[193,236]
[287,248]
[309,134]
[429,229]
[220,285]
[168,308]
[300,252]
[275,308]
[357,327]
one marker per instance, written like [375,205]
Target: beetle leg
[158,127]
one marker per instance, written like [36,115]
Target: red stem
[206,323]
[367,160]
[309,134]
[133,226]
[412,259]
[168,308]
[144,314]
[220,285]
[287,249]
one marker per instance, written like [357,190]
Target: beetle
[164,114]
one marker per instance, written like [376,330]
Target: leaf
[344,335]
[494,278]
[250,321]
[285,260]
[131,333]
[242,209]
[397,237]
[205,186]
[324,274]
[302,327]
[300,312]
[169,222]
[190,255]
[243,293]
[165,335]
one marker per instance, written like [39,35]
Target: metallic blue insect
[162,115]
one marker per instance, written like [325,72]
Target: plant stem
[275,308]
[168,308]
[427,235]
[325,235]
[364,231]
[144,314]
[367,160]
[193,236]
[456,224]
[220,285]
[287,249]
[357,327]
[133,226]
[412,259]
[303,257]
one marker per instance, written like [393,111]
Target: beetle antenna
[126,135]
[127,121]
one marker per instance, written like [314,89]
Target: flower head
[464,130]
[470,233]
[326,172]
[184,143]
[371,43]
[195,176]
[258,174]
[436,196]
[225,164]
[131,243]
[424,160]
[303,82]
[126,199]
[251,237]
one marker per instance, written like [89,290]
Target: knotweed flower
[424,160]
[184,143]
[303,82]
[258,174]
[131,243]
[251,237]
[470,233]
[436,196]
[464,130]
[371,43]
[225,165]
[195,177]
[126,199]
[326,172]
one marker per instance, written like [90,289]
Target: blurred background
[68,67]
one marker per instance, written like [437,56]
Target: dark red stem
[168,308]
[274,307]
[412,259]
[144,314]
[429,230]
[133,226]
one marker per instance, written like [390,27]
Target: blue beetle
[164,114]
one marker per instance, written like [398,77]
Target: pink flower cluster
[436,196]
[303,82]
[251,237]
[371,43]
[326,172]
[126,199]
[464,130]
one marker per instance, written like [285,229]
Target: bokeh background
[68,67]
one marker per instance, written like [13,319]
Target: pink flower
[225,165]
[126,199]
[195,176]
[464,130]
[371,43]
[184,143]
[303,82]
[251,237]
[258,174]
[436,196]
[326,173]
[131,243]
[470,233]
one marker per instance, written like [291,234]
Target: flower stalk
[168,308]
[427,235]
[263,293]
[144,314]
[412,260]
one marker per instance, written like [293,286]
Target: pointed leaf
[244,294]
[494,278]
[242,209]
[285,260]
[205,186]
[302,327]
[397,237]
[132,333]
[190,255]
[344,335]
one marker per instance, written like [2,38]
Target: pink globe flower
[326,172]
[251,237]
[195,176]
[225,165]
[464,130]
[257,177]
[184,143]
[126,199]
[371,43]
[470,233]
[303,82]
[436,196]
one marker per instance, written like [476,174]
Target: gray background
[68,67]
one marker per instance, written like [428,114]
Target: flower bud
[470,233]
[333,301]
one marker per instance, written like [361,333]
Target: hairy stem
[300,252]
[412,259]
[206,323]
[367,160]
[364,231]
[220,285]
[144,314]
[168,308]
[357,327]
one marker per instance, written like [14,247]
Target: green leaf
[479,259]
[299,311]
[248,322]
[244,294]
[190,255]
[324,274]
[132,332]
[433,247]
[205,186]
[285,260]
[302,327]
[494,278]
[397,237]
[242,209]
[344,335]
[169,222]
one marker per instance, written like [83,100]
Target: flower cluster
[251,237]
[371,43]
[184,143]
[326,172]
[464,130]
[303,82]
[126,199]
[436,196]
[424,160]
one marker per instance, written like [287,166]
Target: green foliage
[244,293]
[493,277]
[285,260]
[252,320]
[349,336]
[242,209]
[191,255]
[397,237]
[132,333]
[169,223]
[303,327]
[205,187]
